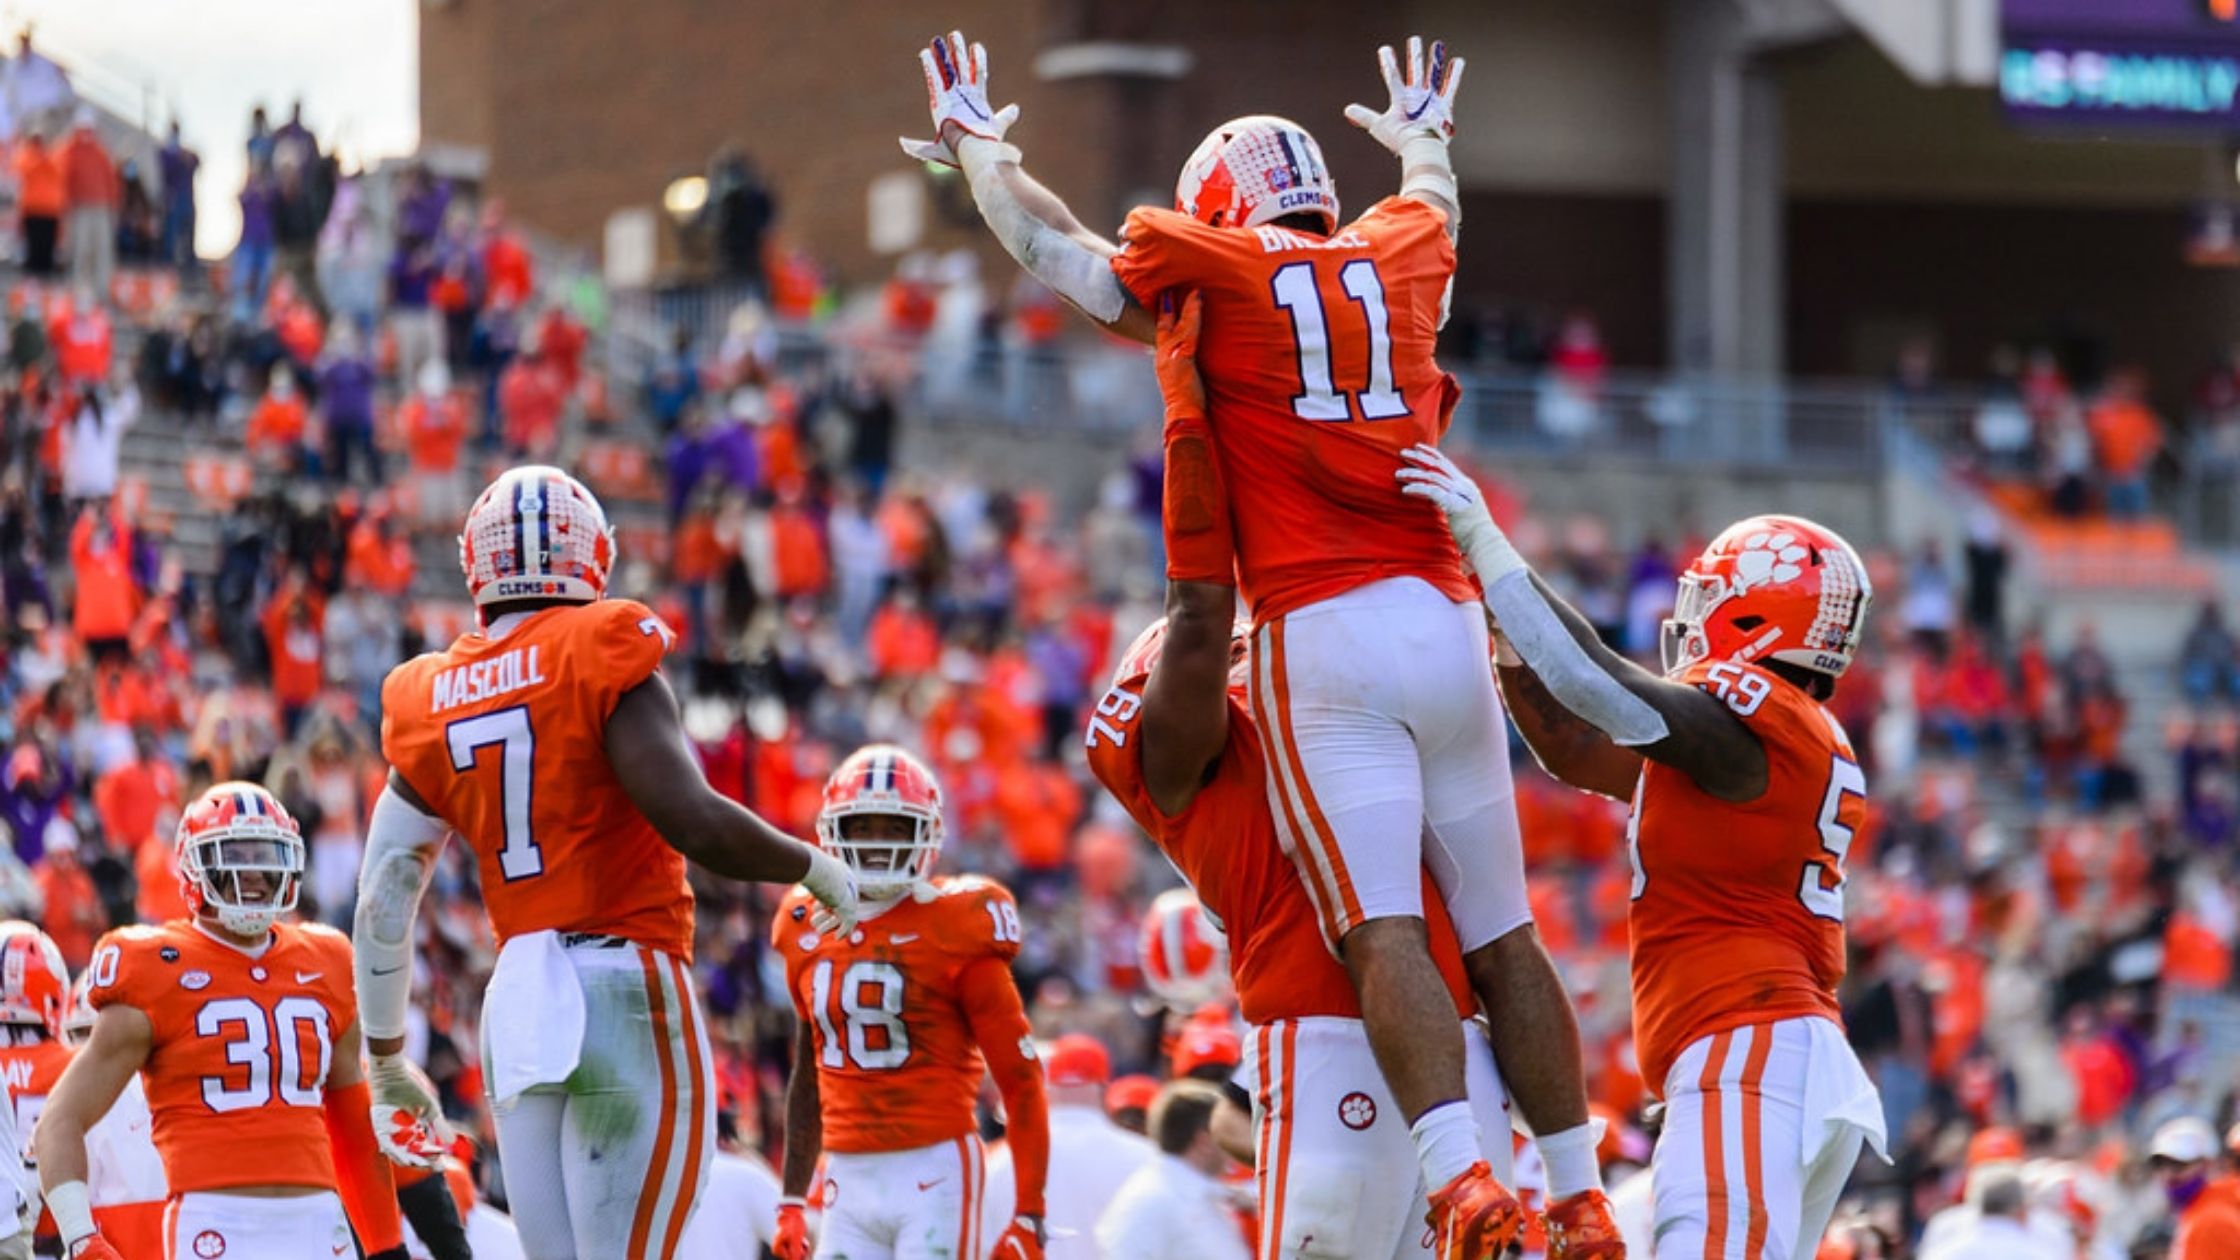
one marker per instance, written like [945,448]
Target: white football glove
[408,1122]
[1432,476]
[957,93]
[832,882]
[1422,101]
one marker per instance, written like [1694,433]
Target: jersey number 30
[1299,292]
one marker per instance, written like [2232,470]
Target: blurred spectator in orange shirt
[292,634]
[507,267]
[903,642]
[1037,803]
[530,397]
[73,914]
[379,557]
[2126,436]
[84,343]
[39,201]
[133,794]
[433,423]
[797,557]
[155,870]
[277,426]
[108,594]
[92,190]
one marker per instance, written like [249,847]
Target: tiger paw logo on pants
[209,1244]
[1769,558]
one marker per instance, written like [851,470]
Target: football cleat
[1254,170]
[1474,1217]
[1771,588]
[1582,1227]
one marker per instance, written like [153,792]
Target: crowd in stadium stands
[2039,944]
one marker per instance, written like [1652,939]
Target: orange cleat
[1474,1217]
[1580,1227]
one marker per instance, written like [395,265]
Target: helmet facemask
[213,866]
[891,846]
[1682,642]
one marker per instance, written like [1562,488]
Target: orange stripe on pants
[970,1216]
[688,1173]
[1282,1180]
[649,1197]
[1714,1147]
[1348,905]
[1753,1158]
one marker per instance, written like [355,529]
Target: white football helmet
[34,983]
[882,780]
[236,829]
[536,533]
[1185,954]
[1256,169]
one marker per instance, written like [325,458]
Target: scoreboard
[2171,65]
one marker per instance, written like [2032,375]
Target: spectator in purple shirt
[32,791]
[346,398]
[177,164]
[421,208]
[252,258]
[412,314]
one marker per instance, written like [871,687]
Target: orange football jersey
[31,1070]
[898,1066]
[1737,912]
[1224,842]
[1317,358]
[506,739]
[236,1077]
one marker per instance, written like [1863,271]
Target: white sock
[1569,1156]
[1446,1138]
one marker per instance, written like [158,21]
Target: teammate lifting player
[1176,742]
[1386,746]
[549,740]
[1746,795]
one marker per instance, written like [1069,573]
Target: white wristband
[73,1213]
[1426,167]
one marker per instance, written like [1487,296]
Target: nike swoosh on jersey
[388,971]
[306,977]
[903,938]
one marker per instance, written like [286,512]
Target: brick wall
[586,108]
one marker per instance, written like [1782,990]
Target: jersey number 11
[1299,292]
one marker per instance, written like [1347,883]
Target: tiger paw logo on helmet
[1769,558]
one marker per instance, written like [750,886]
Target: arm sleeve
[1194,506]
[1571,676]
[999,1025]
[368,1189]
[401,846]
[426,1201]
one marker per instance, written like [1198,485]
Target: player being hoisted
[1386,745]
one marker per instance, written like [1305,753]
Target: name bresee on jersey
[481,680]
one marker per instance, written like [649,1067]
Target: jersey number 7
[508,729]
[1298,290]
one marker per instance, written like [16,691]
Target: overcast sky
[354,63]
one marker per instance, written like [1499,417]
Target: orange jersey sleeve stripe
[1325,841]
[649,1196]
[696,1077]
[1714,1148]
[1753,1152]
